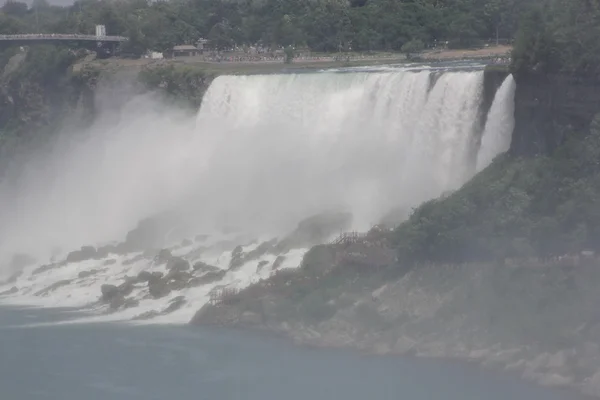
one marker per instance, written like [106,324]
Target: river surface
[119,361]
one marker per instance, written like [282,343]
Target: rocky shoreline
[532,318]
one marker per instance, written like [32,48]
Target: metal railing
[60,36]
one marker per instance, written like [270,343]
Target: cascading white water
[499,126]
[265,152]
[262,153]
[292,145]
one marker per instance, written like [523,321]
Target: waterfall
[262,153]
[497,133]
[292,145]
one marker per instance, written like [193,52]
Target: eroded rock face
[548,107]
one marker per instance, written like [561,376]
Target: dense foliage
[520,207]
[322,25]
[544,206]
[37,90]
[559,36]
[180,83]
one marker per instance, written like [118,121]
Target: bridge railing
[349,238]
[60,36]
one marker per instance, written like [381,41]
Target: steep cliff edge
[548,107]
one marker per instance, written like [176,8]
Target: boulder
[131,302]
[211,277]
[104,251]
[109,291]
[134,259]
[85,253]
[52,287]
[147,315]
[178,264]
[127,287]
[44,268]
[175,304]
[158,288]
[154,232]
[116,302]
[148,234]
[277,263]
[163,256]
[115,295]
[178,280]
[202,267]
[261,265]
[85,274]
[237,258]
[224,315]
[120,301]
[147,276]
[10,291]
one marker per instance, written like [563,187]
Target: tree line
[320,25]
[558,36]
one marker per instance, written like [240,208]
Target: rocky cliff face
[548,107]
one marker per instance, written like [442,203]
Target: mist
[262,153]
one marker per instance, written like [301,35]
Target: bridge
[103,45]
[58,37]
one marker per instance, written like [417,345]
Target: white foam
[86,292]
[263,153]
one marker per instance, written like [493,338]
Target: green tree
[289,54]
[412,47]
